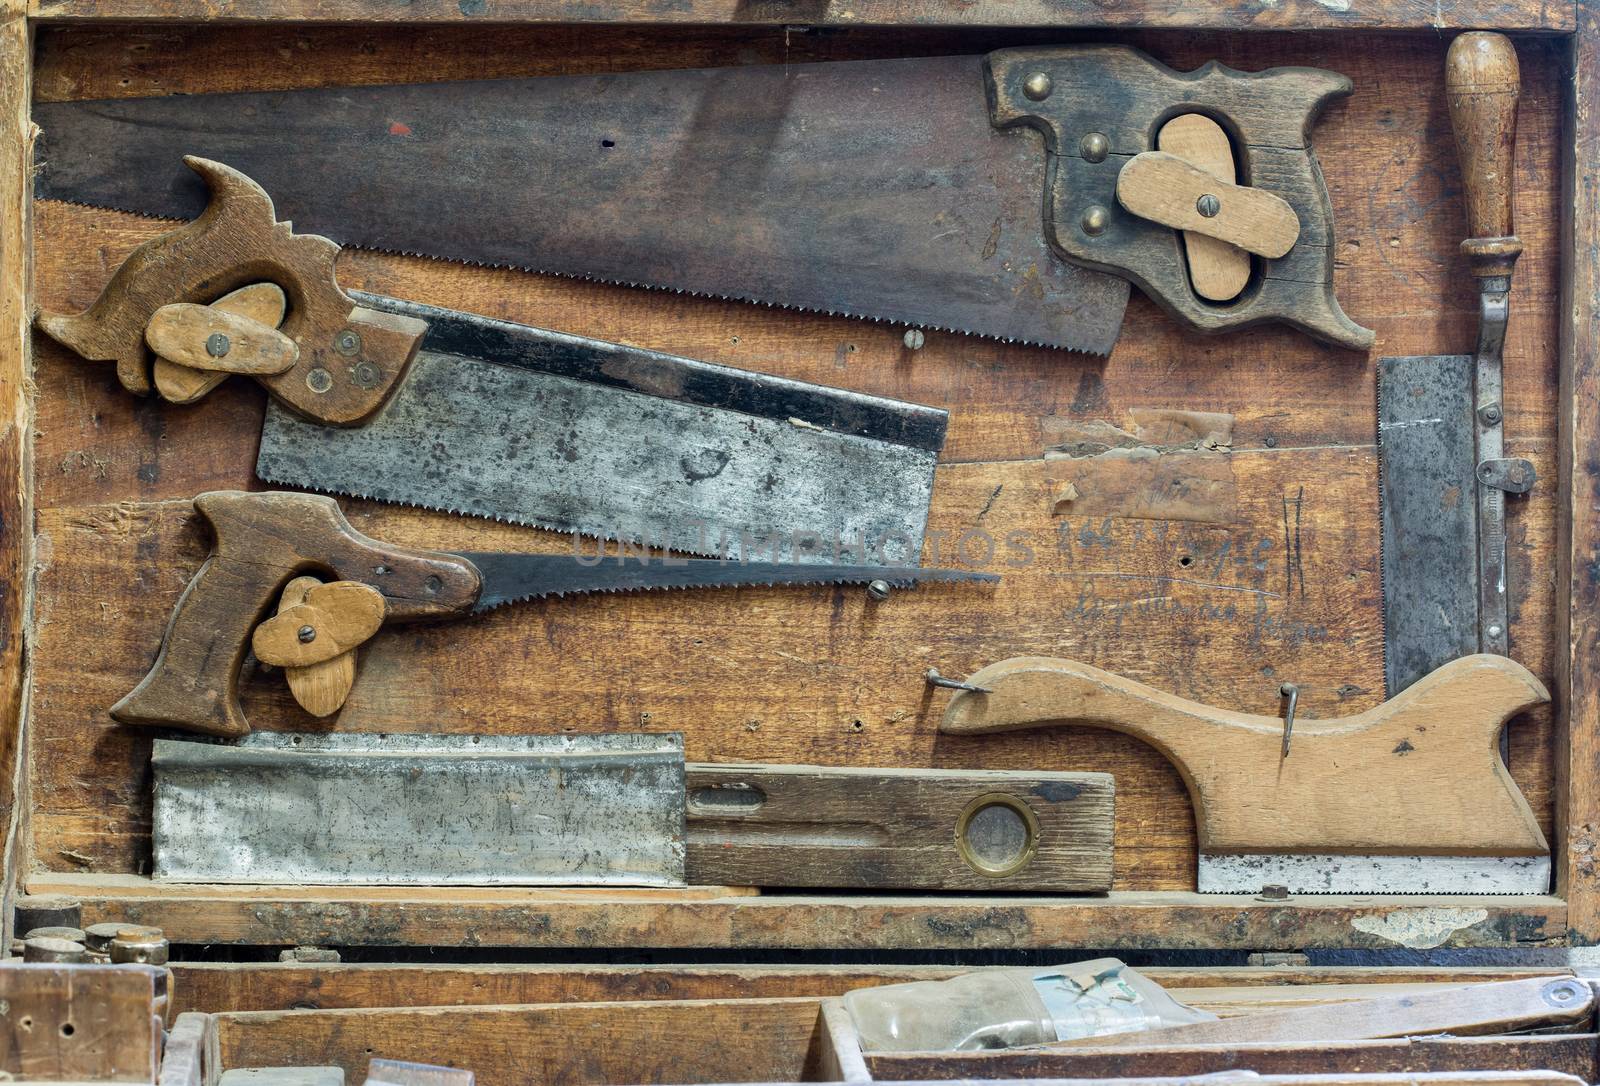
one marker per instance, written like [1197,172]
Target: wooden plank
[89,1023]
[1572,1054]
[464,916]
[1577,791]
[182,1057]
[1218,14]
[760,1040]
[16,440]
[236,986]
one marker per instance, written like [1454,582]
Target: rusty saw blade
[874,189]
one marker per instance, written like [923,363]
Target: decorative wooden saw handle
[1419,774]
[1482,82]
[1100,106]
[262,542]
[350,358]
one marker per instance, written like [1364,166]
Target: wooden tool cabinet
[97,539]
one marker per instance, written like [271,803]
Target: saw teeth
[993,337]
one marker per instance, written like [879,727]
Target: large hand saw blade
[526,425]
[875,189]
[1430,525]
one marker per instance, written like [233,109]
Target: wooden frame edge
[1523,16]
[16,410]
[1578,562]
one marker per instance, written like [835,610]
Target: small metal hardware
[913,339]
[318,379]
[1037,86]
[1277,959]
[306,634]
[46,949]
[1514,475]
[1208,205]
[879,590]
[309,955]
[1489,414]
[1291,695]
[367,375]
[138,945]
[1094,147]
[44,910]
[1273,892]
[1562,993]
[933,678]
[217,345]
[997,835]
[1095,220]
[347,342]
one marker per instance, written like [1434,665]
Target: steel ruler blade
[1427,451]
[534,427]
[351,809]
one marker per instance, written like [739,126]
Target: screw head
[1208,205]
[878,590]
[914,339]
[367,374]
[1094,147]
[1095,220]
[1493,630]
[1037,86]
[217,345]
[318,379]
[346,341]
[1561,993]
[1490,415]
[307,634]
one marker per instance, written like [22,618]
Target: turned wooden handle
[1419,774]
[350,358]
[1482,82]
[262,542]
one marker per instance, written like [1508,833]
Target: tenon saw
[385,399]
[1441,419]
[897,190]
[1409,797]
[273,549]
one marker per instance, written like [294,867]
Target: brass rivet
[217,345]
[319,379]
[367,375]
[1208,205]
[347,342]
[879,590]
[307,634]
[1095,220]
[1037,86]
[1094,147]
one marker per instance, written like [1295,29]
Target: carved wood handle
[350,357]
[1420,773]
[263,541]
[1482,81]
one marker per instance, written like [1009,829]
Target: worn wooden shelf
[1208,14]
[94,489]
[711,917]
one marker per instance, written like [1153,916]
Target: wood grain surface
[235,986]
[1578,563]
[16,443]
[1217,14]
[1221,614]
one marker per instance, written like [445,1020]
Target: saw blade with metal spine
[875,189]
[562,432]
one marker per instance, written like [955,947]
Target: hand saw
[270,545]
[407,403]
[895,190]
[1410,797]
[1441,436]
